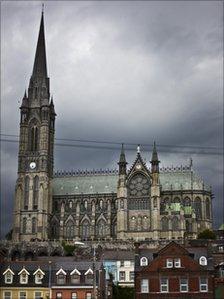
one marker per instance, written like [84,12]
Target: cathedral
[136,203]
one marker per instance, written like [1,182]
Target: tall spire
[40,62]
[122,162]
[155,161]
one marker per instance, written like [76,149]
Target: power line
[129,144]
[199,152]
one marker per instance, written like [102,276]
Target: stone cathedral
[125,204]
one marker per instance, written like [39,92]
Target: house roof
[104,182]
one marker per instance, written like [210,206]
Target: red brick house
[172,272]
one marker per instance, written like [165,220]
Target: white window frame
[4,294]
[19,296]
[177,263]
[185,285]
[34,294]
[202,285]
[74,295]
[11,278]
[169,263]
[87,295]
[145,286]
[164,285]
[57,293]
[143,261]
[203,261]
[38,280]
[21,278]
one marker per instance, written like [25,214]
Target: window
[37,295]
[74,296]
[177,263]
[143,261]
[169,263]
[203,284]
[144,286]
[203,261]
[8,277]
[88,295]
[24,226]
[132,275]
[38,278]
[35,192]
[122,275]
[34,225]
[61,279]
[7,295]
[165,224]
[34,138]
[26,193]
[75,278]
[164,285]
[22,295]
[89,278]
[184,285]
[58,295]
[122,263]
[23,278]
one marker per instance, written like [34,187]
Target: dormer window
[24,275]
[39,275]
[8,276]
[61,276]
[169,263]
[177,263]
[75,276]
[144,261]
[203,261]
[89,276]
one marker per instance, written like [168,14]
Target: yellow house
[24,293]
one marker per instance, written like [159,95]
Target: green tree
[123,292]
[207,234]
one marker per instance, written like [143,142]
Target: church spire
[122,162]
[155,161]
[40,62]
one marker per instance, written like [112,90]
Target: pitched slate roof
[104,182]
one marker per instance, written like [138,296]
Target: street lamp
[81,244]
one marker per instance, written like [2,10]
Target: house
[24,280]
[173,272]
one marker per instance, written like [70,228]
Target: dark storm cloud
[129,72]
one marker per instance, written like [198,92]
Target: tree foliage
[207,234]
[123,292]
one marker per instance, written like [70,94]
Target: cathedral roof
[104,182]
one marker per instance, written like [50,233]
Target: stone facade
[128,204]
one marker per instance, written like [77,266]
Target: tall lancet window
[34,138]
[34,225]
[35,192]
[24,226]
[26,193]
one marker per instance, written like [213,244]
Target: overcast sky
[129,72]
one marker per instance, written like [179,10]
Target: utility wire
[199,152]
[129,144]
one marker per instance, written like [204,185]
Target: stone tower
[33,195]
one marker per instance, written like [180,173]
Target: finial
[138,149]
[42,8]
[191,163]
[25,96]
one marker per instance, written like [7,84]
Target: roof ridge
[80,172]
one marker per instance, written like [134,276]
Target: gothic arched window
[165,223]
[85,229]
[34,138]
[26,193]
[34,225]
[101,228]
[69,231]
[24,225]
[207,208]
[175,223]
[35,192]
[197,206]
[187,202]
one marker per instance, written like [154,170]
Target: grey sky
[129,72]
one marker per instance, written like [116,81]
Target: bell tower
[33,195]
